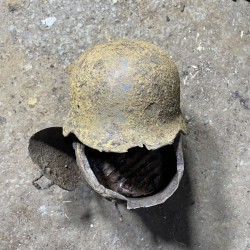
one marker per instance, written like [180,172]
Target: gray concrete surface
[210,42]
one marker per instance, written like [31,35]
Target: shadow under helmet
[124,94]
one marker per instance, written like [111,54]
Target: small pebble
[48,21]
[32,101]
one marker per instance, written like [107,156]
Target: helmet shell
[124,94]
[132,203]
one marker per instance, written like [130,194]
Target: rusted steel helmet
[125,100]
[124,94]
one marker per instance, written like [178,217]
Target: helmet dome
[124,94]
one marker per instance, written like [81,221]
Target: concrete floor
[210,43]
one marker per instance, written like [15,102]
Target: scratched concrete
[210,42]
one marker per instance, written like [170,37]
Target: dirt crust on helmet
[124,94]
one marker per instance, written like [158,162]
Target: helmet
[124,94]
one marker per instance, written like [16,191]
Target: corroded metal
[162,192]
[125,101]
[125,94]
